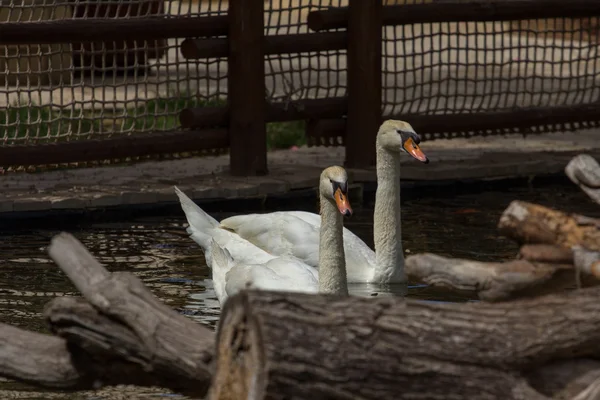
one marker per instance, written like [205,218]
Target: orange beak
[341,200]
[414,150]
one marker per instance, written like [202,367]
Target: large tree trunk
[532,223]
[297,346]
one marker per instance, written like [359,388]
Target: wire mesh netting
[80,91]
[95,90]
[474,67]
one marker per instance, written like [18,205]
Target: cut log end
[240,373]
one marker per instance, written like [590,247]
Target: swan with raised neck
[393,138]
[295,232]
[237,264]
[334,205]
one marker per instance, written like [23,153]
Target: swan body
[238,264]
[295,232]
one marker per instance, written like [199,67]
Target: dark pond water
[158,251]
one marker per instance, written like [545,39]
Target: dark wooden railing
[361,110]
[117,147]
[241,124]
[118,29]
[459,11]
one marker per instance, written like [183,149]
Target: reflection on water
[158,251]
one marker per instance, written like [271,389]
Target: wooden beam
[246,88]
[364,82]
[204,117]
[106,30]
[461,11]
[521,119]
[114,148]
[194,49]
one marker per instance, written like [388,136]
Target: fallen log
[51,362]
[495,281]
[292,345]
[535,224]
[113,353]
[121,331]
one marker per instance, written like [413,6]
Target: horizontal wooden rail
[114,148]
[277,44]
[116,29]
[461,11]
[334,107]
[522,118]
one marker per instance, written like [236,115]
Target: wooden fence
[241,125]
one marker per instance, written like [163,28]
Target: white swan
[295,232]
[237,264]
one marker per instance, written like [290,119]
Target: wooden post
[364,81]
[246,87]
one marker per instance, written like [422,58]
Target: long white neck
[386,225]
[332,262]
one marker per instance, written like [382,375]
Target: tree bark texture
[298,346]
[38,359]
[52,362]
[113,353]
[535,224]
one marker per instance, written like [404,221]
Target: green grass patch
[283,135]
[162,114]
[46,123]
[41,122]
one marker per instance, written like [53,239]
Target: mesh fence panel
[66,92]
[449,68]
[473,67]
[306,75]
[69,92]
